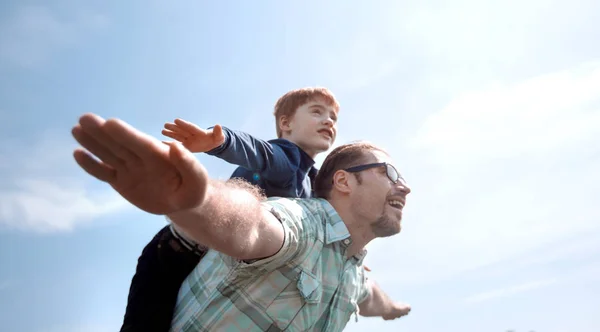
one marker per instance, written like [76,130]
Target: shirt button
[346,241]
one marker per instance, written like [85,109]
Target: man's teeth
[396,203]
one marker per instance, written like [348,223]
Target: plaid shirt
[309,285]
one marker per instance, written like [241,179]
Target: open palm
[193,137]
[155,177]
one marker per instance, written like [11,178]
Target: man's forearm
[377,303]
[229,220]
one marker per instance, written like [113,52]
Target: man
[284,264]
[306,121]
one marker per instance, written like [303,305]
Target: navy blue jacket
[278,166]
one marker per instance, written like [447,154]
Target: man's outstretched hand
[397,310]
[193,137]
[157,178]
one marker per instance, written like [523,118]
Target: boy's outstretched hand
[153,176]
[193,137]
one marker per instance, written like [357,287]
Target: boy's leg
[162,267]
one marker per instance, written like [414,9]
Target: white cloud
[45,191]
[509,291]
[505,171]
[46,205]
[489,33]
[34,33]
[589,272]
[511,120]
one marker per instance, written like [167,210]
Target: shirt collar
[336,230]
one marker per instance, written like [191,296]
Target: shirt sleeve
[275,162]
[299,236]
[363,287]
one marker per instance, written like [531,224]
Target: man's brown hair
[342,157]
[289,102]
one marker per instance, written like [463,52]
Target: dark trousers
[162,267]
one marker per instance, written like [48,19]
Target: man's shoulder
[295,203]
[297,208]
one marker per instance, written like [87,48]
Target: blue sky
[490,109]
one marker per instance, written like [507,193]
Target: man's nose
[328,122]
[402,186]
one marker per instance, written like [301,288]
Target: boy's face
[313,127]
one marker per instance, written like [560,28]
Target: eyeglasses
[390,171]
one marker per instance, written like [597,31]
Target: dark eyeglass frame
[391,171]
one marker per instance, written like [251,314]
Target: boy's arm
[239,148]
[243,149]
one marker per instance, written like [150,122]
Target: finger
[140,144]
[93,126]
[190,127]
[178,130]
[97,149]
[94,168]
[173,135]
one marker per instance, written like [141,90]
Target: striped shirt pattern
[309,285]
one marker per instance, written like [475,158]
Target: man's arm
[232,220]
[166,179]
[243,149]
[378,304]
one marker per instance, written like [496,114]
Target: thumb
[193,174]
[218,134]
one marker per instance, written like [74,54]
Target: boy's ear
[284,123]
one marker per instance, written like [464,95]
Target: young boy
[306,126]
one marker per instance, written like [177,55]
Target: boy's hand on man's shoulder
[193,137]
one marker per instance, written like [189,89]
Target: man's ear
[342,182]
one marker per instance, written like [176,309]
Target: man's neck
[359,230]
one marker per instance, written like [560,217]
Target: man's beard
[384,226]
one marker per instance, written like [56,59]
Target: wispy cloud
[45,191]
[34,33]
[510,291]
[507,170]
[509,120]
[46,205]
